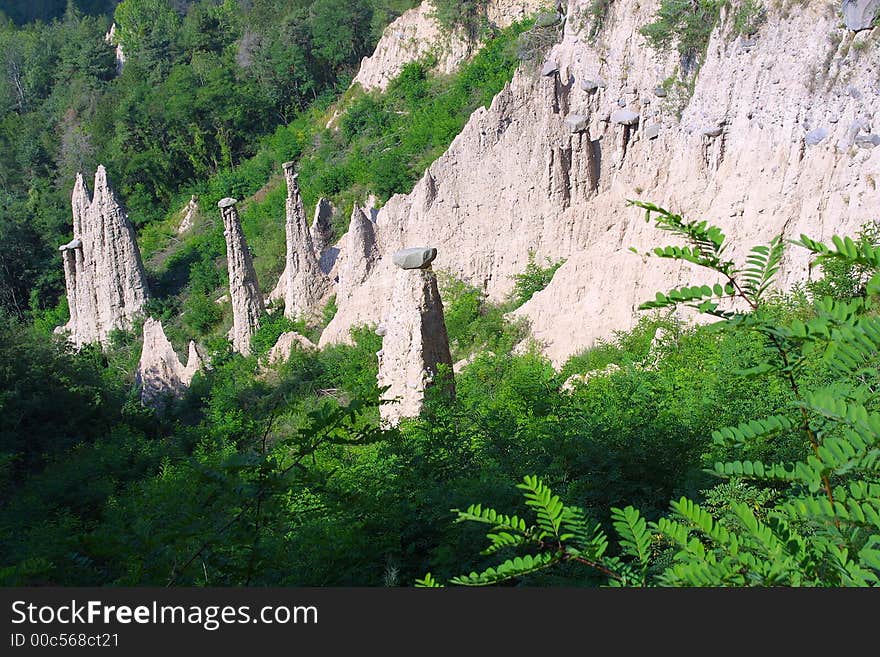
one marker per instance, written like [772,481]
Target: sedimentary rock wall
[416,33]
[104,275]
[777,137]
[244,292]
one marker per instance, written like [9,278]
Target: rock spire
[305,285]
[415,342]
[103,272]
[360,253]
[160,374]
[244,292]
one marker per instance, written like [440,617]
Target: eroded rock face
[321,230]
[305,286]
[414,345]
[189,215]
[244,291]
[563,194]
[160,375]
[360,254]
[103,272]
[416,33]
[285,345]
[859,14]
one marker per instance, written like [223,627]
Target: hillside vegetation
[738,452]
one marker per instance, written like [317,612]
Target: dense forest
[738,452]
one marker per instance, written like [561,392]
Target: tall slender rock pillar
[306,285]
[415,341]
[244,292]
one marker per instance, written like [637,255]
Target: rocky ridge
[523,175]
[416,34]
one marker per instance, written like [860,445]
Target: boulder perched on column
[244,292]
[104,275]
[415,342]
[306,285]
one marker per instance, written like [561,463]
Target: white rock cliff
[777,137]
[416,34]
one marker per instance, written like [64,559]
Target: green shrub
[809,521]
[748,17]
[271,327]
[534,279]
[685,24]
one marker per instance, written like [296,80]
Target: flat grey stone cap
[625,117]
[414,258]
[226,203]
[549,68]
[72,244]
[576,122]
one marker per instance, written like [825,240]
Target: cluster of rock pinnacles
[107,291]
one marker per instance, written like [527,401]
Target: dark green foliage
[205,87]
[473,323]
[534,279]
[468,16]
[26,11]
[271,327]
[686,25]
[352,370]
[812,516]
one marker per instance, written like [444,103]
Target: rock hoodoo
[247,304]
[160,374]
[304,284]
[321,230]
[103,272]
[415,343]
[360,253]
[189,215]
